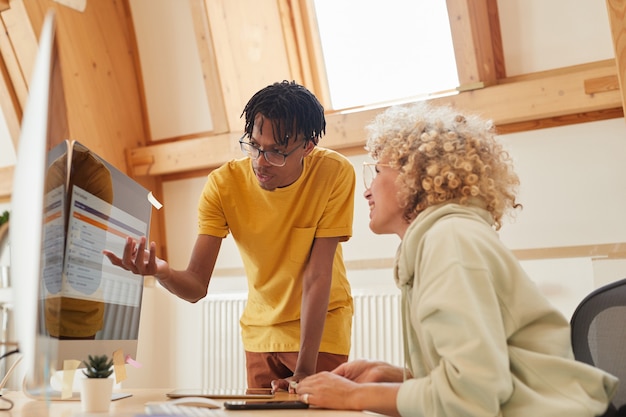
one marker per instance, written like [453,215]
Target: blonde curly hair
[444,155]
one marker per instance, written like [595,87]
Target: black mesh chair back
[599,336]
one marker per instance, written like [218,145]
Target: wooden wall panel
[102,88]
[558,96]
[212,84]
[470,25]
[18,46]
[97,50]
[250,50]
[617,20]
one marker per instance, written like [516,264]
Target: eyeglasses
[278,159]
[370,170]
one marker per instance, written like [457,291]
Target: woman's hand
[330,390]
[370,371]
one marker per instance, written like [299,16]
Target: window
[378,51]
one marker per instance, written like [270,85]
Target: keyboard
[167,408]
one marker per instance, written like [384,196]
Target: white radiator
[224,361]
[376,334]
[377,328]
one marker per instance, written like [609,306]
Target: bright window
[377,51]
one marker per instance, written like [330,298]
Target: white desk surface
[134,406]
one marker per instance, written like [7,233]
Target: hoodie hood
[404,271]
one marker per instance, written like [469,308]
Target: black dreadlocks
[290,108]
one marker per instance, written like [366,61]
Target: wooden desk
[134,407]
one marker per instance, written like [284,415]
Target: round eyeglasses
[370,170]
[278,159]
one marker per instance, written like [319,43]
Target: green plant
[4,218]
[98,367]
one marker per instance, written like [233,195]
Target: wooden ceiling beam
[477,42]
[548,99]
[6,183]
[557,95]
[617,14]
[210,73]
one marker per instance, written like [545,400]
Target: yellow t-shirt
[274,231]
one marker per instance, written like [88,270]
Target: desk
[134,406]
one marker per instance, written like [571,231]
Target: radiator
[224,362]
[376,334]
[377,328]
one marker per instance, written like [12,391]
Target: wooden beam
[304,47]
[250,50]
[600,84]
[551,94]
[551,98]
[607,250]
[4,5]
[570,119]
[211,77]
[295,44]
[558,94]
[474,41]
[496,39]
[9,103]
[617,15]
[603,251]
[185,155]
[6,183]
[18,46]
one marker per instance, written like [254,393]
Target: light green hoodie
[480,338]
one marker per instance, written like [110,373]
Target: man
[288,206]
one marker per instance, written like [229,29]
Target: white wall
[571,179]
[572,182]
[166,41]
[539,35]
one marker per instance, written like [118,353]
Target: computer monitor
[67,206]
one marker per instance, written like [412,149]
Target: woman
[479,337]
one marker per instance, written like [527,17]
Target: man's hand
[288,384]
[136,257]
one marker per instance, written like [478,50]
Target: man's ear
[309,147]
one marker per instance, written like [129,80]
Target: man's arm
[190,284]
[316,283]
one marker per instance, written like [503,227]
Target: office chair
[599,336]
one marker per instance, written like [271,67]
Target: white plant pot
[95,394]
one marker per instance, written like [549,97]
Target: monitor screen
[68,205]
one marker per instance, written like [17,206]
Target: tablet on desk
[264,405]
[245,393]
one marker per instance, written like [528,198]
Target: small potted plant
[4,226]
[97,388]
